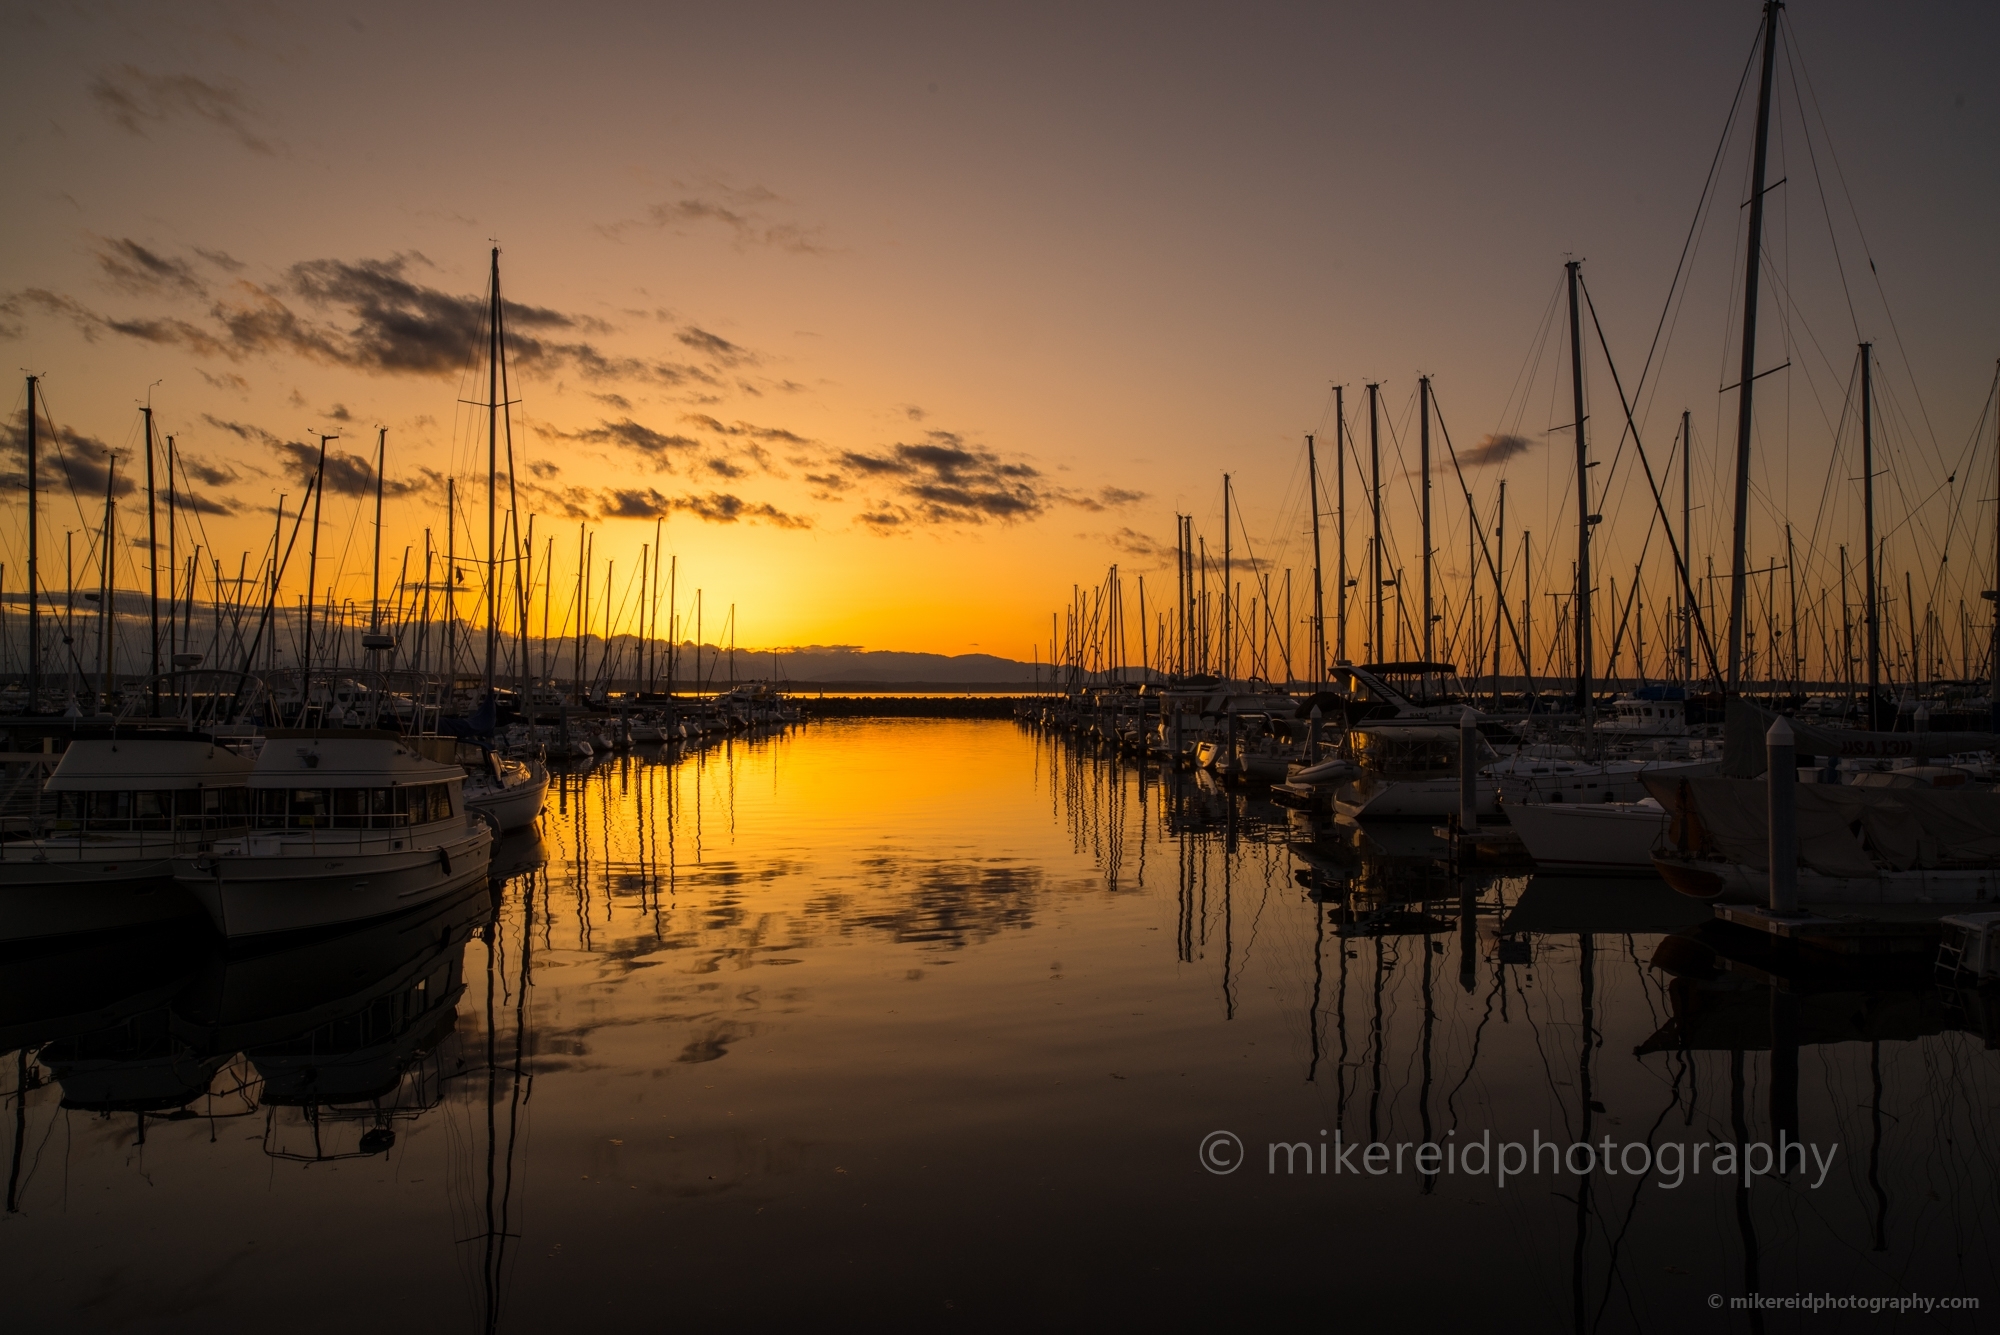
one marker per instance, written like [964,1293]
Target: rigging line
[1819,183]
[1701,205]
[1505,611]
[1867,253]
[59,438]
[1680,564]
[1531,362]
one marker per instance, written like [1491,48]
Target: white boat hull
[514,806]
[1576,837]
[289,883]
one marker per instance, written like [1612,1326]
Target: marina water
[939,1022]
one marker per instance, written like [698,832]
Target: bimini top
[340,759]
[135,763]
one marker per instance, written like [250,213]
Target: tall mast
[107,582]
[1993,690]
[152,560]
[1375,508]
[450,584]
[1583,515]
[1746,380]
[1871,613]
[1228,612]
[527,602]
[1687,552]
[34,566]
[1319,594]
[653,637]
[1499,586]
[375,566]
[173,560]
[312,577]
[1792,584]
[492,478]
[1424,469]
[1340,516]
[271,593]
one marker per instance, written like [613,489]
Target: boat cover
[1743,752]
[1842,830]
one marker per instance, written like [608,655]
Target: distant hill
[817,663]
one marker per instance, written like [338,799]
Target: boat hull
[96,892]
[1732,883]
[1407,799]
[1567,837]
[289,885]
[514,807]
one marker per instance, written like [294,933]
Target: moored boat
[124,809]
[349,825]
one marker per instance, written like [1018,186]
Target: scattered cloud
[714,346]
[747,430]
[630,435]
[1107,498]
[131,267]
[1141,546]
[743,212]
[134,99]
[65,456]
[1496,448]
[714,507]
[346,474]
[943,480]
[368,315]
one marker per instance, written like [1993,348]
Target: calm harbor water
[936,1022]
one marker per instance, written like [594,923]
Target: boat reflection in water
[880,1016]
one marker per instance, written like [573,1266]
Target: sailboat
[507,791]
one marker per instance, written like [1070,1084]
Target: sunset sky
[907,318]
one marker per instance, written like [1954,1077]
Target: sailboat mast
[1499,586]
[1319,593]
[312,578]
[34,566]
[451,584]
[1583,515]
[173,560]
[1375,508]
[1424,468]
[152,560]
[492,478]
[1993,690]
[1746,380]
[375,566]
[107,581]
[1228,616]
[1687,607]
[1340,519]
[1871,612]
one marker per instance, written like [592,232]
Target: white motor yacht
[124,809]
[350,824]
[1410,768]
[1527,778]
